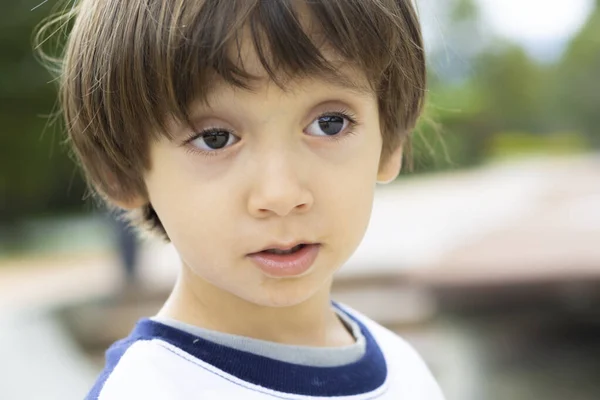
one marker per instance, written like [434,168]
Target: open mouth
[290,251]
[282,262]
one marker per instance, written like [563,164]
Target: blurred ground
[492,274]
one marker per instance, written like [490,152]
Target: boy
[250,134]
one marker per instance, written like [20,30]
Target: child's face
[272,172]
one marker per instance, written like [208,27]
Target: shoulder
[120,374]
[407,371]
[147,368]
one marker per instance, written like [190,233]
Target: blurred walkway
[556,242]
[50,281]
[39,360]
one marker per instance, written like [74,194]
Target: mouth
[283,249]
[286,261]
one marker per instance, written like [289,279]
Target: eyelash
[343,113]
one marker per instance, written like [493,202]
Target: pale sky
[530,20]
[542,27]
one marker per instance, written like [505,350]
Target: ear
[389,170]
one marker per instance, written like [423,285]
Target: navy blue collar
[362,376]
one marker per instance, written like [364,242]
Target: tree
[578,82]
[36,173]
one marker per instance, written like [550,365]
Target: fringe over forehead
[129,65]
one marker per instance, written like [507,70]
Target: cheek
[196,212]
[353,200]
[347,193]
[198,225]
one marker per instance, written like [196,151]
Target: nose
[277,188]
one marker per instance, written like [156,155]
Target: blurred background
[486,257]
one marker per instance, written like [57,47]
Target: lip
[286,265]
[283,246]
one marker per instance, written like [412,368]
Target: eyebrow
[338,80]
[343,82]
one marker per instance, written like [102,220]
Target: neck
[310,323]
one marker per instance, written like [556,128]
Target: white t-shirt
[158,361]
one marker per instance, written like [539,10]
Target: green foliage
[578,82]
[464,10]
[517,144]
[36,174]
[506,91]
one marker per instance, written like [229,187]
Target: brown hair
[128,66]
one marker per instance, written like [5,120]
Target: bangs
[177,51]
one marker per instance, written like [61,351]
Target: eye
[214,139]
[329,124]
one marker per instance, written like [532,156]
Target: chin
[283,293]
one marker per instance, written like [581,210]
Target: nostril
[282,204]
[301,208]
